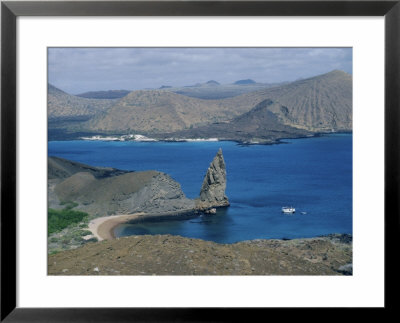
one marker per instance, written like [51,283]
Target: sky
[79,70]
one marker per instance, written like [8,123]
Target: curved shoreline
[103,228]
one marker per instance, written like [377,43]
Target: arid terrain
[318,104]
[175,255]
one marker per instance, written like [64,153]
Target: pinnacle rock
[212,193]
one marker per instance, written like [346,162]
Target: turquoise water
[314,175]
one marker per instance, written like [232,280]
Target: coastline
[274,141]
[103,228]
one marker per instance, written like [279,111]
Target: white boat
[288,209]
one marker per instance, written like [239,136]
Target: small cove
[313,174]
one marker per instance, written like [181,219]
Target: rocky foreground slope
[175,255]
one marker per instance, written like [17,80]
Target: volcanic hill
[318,104]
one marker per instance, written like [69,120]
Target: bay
[312,174]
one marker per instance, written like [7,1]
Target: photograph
[198,159]
[178,161]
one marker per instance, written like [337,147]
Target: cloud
[77,70]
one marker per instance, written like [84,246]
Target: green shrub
[69,204]
[80,233]
[77,240]
[60,219]
[85,232]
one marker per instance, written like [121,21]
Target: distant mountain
[111,94]
[165,87]
[155,111]
[212,82]
[319,103]
[63,105]
[245,82]
[257,125]
[213,90]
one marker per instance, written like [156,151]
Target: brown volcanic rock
[258,125]
[175,255]
[319,103]
[212,193]
[155,111]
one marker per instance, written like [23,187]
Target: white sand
[102,228]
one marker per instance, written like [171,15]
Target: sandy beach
[102,228]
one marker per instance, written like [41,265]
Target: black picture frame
[10,10]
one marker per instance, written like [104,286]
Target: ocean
[314,175]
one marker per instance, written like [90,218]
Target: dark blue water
[314,175]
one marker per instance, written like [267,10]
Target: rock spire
[212,193]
